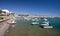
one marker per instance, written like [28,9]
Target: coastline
[23,28]
[4,25]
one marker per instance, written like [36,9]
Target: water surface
[24,28]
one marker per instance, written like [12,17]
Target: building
[5,12]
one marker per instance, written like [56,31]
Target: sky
[38,7]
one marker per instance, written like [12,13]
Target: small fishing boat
[35,19]
[48,27]
[45,24]
[11,22]
[35,22]
[45,19]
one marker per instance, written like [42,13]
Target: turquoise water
[55,22]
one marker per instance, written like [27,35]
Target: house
[5,12]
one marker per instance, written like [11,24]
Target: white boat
[35,19]
[11,22]
[45,19]
[45,23]
[47,26]
[35,22]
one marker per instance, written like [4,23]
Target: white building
[5,12]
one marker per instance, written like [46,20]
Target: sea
[55,22]
[24,27]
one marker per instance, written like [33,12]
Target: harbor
[29,17]
[24,28]
[30,26]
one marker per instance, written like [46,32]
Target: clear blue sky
[40,7]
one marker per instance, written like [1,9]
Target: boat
[45,19]
[11,22]
[35,22]
[35,19]
[45,24]
[48,27]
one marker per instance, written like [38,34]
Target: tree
[0,11]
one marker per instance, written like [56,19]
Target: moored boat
[35,21]
[45,24]
[11,22]
[48,27]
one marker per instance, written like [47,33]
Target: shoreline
[4,25]
[25,29]
[10,29]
